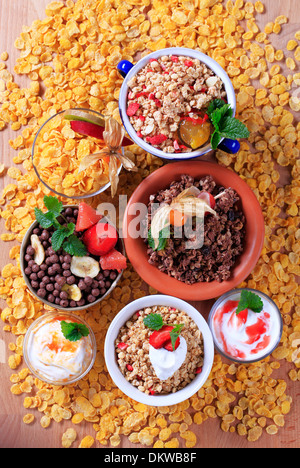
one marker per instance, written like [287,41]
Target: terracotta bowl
[136,248]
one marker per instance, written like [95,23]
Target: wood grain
[13,433]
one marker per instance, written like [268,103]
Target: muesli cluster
[222,229]
[164,92]
[139,351]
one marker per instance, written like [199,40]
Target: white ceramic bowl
[114,370]
[212,64]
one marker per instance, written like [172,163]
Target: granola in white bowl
[167,90]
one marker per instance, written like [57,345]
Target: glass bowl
[45,368]
[53,123]
[269,306]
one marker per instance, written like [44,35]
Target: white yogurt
[54,357]
[166,363]
[249,337]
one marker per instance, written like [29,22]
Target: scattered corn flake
[68,437]
[87,442]
[28,418]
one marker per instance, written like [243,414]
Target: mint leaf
[232,128]
[53,205]
[163,238]
[249,300]
[219,114]
[45,220]
[60,235]
[215,104]
[174,334]
[215,139]
[153,321]
[74,331]
[73,246]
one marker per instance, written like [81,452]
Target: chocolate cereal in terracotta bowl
[178,103]
[71,257]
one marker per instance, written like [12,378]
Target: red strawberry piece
[152,96]
[132,108]
[87,217]
[188,63]
[142,118]
[100,239]
[157,139]
[152,60]
[159,338]
[142,94]
[151,391]
[174,59]
[198,370]
[122,346]
[129,367]
[87,128]
[168,345]
[113,260]
[208,198]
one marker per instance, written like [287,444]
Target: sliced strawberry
[87,217]
[160,337]
[113,260]
[168,345]
[100,238]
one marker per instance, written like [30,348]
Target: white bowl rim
[113,368]
[210,62]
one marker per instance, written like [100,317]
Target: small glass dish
[89,345]
[276,324]
[52,144]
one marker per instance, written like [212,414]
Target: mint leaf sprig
[155,322]
[225,125]
[74,331]
[63,236]
[249,300]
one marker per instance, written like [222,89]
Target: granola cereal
[166,90]
[133,350]
[223,240]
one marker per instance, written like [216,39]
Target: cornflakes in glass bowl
[58,152]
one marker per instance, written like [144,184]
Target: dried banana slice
[84,266]
[73,291]
[39,255]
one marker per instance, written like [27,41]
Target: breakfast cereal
[106,37]
[164,92]
[157,367]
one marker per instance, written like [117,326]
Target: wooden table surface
[13,432]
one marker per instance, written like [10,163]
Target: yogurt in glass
[53,358]
[248,336]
